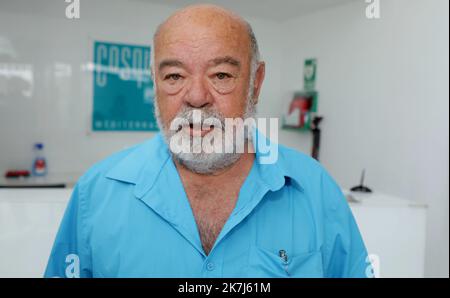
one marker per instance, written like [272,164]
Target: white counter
[29,219]
[394,230]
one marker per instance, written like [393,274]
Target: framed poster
[123,92]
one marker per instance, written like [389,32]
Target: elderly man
[153,211]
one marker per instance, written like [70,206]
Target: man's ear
[259,78]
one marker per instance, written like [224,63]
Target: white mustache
[187,114]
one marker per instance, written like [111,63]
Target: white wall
[384,93]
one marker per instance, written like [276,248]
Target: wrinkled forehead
[202,36]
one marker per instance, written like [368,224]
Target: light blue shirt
[129,216]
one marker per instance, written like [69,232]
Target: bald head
[211,17]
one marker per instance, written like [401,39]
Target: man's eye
[173,77]
[222,76]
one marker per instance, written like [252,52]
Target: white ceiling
[277,10]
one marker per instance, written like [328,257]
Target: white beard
[203,162]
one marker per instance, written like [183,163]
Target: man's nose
[198,95]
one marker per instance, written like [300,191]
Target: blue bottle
[39,163]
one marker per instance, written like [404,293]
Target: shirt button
[210,266]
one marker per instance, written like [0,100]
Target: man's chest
[211,210]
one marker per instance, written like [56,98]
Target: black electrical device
[316,136]
[361,187]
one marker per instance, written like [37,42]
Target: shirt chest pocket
[264,263]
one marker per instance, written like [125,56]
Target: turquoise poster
[123,88]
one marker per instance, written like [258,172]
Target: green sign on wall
[123,88]
[309,74]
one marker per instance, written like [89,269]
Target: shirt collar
[144,164]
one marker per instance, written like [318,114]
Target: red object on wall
[304,104]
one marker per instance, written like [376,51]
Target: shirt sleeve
[346,255]
[70,257]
